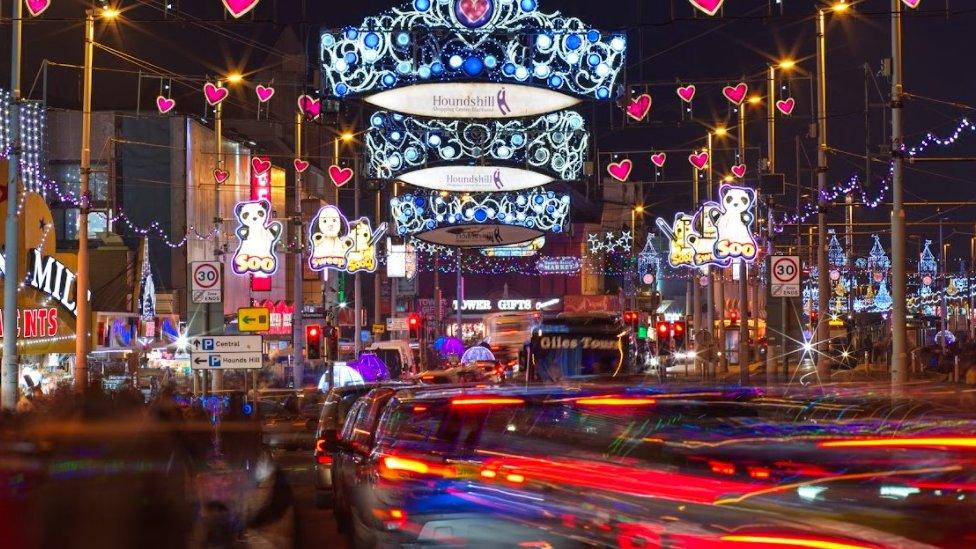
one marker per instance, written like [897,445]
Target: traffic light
[413,324]
[313,341]
[679,332]
[642,331]
[332,343]
[631,318]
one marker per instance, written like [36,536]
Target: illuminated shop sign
[500,41]
[558,265]
[588,343]
[472,100]
[475,179]
[342,245]
[555,144]
[33,323]
[53,278]
[717,234]
[528,249]
[481,305]
[401,260]
[257,235]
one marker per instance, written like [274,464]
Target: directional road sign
[253,319]
[226,352]
[784,276]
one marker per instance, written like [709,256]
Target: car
[335,409]
[288,419]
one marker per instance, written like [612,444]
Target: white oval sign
[472,100]
[475,179]
[480,236]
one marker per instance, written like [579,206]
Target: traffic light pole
[298,292]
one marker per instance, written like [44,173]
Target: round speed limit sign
[206,276]
[786,270]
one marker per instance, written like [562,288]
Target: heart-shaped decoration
[37,7]
[260,165]
[620,170]
[301,165]
[214,94]
[786,106]
[165,104]
[264,93]
[710,7]
[238,8]
[473,10]
[699,160]
[340,176]
[687,93]
[739,171]
[220,176]
[309,106]
[659,159]
[639,107]
[911,3]
[736,94]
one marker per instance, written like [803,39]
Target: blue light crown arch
[555,144]
[416,212]
[491,40]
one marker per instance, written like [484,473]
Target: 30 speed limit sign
[785,276]
[207,282]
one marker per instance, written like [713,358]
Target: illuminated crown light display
[538,209]
[555,143]
[561,53]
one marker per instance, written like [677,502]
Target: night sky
[668,43]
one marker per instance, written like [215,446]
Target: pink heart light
[340,176]
[736,94]
[911,3]
[220,175]
[300,165]
[687,93]
[37,7]
[474,10]
[309,106]
[165,104]
[659,159]
[699,160]
[264,93]
[639,107]
[214,94]
[620,170]
[238,8]
[786,106]
[739,171]
[710,7]
[260,165]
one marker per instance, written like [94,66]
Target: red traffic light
[413,321]
[663,328]
[313,341]
[631,317]
[313,331]
[679,328]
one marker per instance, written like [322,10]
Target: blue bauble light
[529,5]
[491,61]
[424,72]
[376,120]
[421,5]
[352,34]
[593,35]
[574,42]
[555,81]
[593,59]
[350,58]
[389,79]
[480,215]
[372,40]
[403,39]
[341,89]
[437,68]
[508,69]
[473,66]
[602,93]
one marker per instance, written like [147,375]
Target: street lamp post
[298,328]
[710,297]
[8,385]
[899,349]
[823,289]
[743,276]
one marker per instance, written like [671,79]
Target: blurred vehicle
[507,333]
[580,345]
[595,465]
[476,372]
[289,419]
[334,410]
[397,355]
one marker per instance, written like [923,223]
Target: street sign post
[226,352]
[253,319]
[785,276]
[206,282]
[397,325]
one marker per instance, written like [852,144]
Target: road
[317,528]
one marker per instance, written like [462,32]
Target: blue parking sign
[215,362]
[208,344]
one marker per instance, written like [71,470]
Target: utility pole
[943,267]
[744,276]
[695,285]
[82,320]
[8,385]
[216,376]
[298,283]
[899,278]
[709,272]
[357,278]
[823,288]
